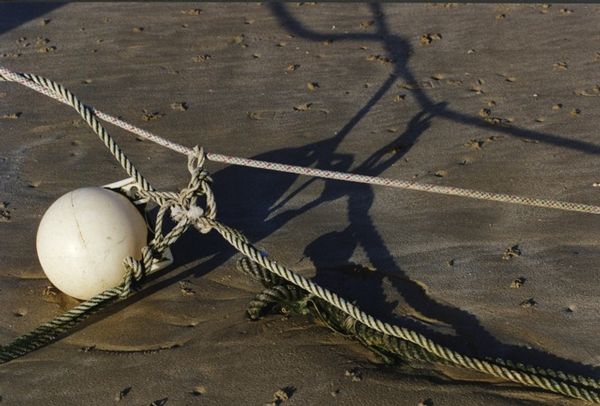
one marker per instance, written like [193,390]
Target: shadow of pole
[398,50]
[336,248]
[13,15]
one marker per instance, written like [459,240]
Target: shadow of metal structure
[15,14]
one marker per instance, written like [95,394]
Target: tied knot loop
[184,208]
[135,270]
[178,213]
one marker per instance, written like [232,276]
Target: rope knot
[136,269]
[179,213]
[183,207]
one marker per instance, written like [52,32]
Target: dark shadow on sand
[15,14]
[255,202]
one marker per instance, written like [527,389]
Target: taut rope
[37,83]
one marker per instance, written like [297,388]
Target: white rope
[8,75]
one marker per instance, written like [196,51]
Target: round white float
[83,238]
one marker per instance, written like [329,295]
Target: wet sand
[500,98]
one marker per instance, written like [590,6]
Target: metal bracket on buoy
[128,187]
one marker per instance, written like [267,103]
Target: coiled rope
[183,209]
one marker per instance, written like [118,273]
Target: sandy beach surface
[500,98]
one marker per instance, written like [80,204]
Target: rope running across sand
[183,209]
[25,80]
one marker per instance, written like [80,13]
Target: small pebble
[122,394]
[477,89]
[179,106]
[367,24]
[50,291]
[201,58]
[4,212]
[151,116]
[238,39]
[485,112]
[281,396]
[12,116]
[517,283]
[354,374]
[514,251]
[379,58]
[427,39]
[474,144]
[186,289]
[199,390]
[291,67]
[528,303]
[192,12]
[303,107]
[47,49]
[561,66]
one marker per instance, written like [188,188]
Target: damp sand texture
[498,98]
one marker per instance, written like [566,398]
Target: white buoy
[83,238]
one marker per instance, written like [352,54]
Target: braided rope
[370,336]
[184,210]
[537,377]
[50,331]
[283,295]
[39,85]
